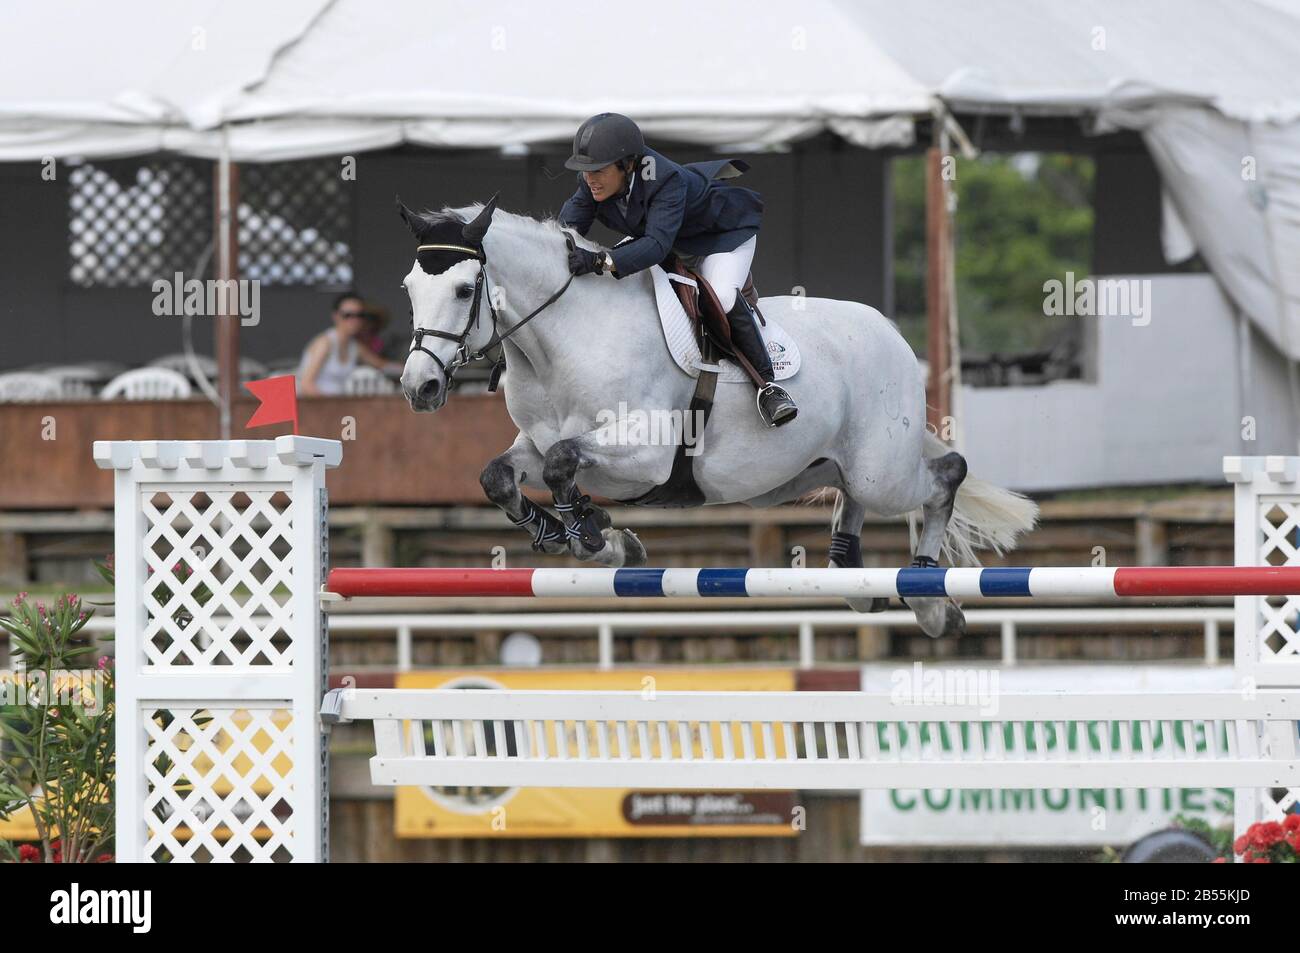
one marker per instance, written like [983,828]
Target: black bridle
[463,354]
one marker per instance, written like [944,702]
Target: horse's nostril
[428,390]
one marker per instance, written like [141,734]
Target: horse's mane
[546,227]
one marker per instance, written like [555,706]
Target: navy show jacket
[672,206]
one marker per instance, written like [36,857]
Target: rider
[666,207]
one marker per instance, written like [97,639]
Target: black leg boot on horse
[775,405]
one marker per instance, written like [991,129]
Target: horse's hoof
[939,618]
[878,604]
[634,553]
[954,623]
[621,550]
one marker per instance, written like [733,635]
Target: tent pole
[938,263]
[226,343]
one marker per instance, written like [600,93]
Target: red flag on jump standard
[279,401]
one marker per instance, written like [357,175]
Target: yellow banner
[423,812]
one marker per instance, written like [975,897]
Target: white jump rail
[222,648]
[823,740]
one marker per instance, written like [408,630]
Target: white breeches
[726,271]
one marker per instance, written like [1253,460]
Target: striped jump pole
[997,582]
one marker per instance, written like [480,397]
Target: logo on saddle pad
[781,362]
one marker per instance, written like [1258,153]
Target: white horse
[579,364]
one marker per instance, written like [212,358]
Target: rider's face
[607,182]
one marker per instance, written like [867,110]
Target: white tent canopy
[1073,56]
[311,77]
[1212,86]
[1209,83]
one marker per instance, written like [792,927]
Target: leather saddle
[713,334]
[710,323]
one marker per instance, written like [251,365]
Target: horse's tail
[984,516]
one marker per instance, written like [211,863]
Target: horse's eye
[465,292]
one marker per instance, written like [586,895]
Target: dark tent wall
[826,229]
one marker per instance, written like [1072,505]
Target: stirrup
[773,388]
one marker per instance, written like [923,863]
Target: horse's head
[446,286]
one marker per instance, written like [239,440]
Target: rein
[463,355]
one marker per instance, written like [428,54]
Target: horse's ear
[412,220]
[475,230]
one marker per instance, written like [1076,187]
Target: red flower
[1265,835]
[27,854]
[1239,845]
[104,859]
[1291,823]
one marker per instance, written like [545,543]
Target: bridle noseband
[463,355]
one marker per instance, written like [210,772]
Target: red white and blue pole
[995,582]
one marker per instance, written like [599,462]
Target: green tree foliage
[1021,220]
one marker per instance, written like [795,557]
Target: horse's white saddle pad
[681,339]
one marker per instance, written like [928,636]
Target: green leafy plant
[56,735]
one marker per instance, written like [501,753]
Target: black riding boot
[775,405]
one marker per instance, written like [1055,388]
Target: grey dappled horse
[575,359]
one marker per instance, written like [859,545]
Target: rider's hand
[583,262]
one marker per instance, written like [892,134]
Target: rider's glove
[583,262]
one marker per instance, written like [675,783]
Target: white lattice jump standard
[222,715]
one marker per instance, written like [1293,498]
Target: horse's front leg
[592,536]
[522,465]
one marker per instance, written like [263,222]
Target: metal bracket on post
[331,710]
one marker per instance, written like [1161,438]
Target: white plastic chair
[147,383]
[77,381]
[181,365]
[25,386]
[367,380]
[251,370]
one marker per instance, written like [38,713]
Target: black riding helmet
[604,139]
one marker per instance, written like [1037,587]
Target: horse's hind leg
[501,479]
[846,545]
[938,615]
